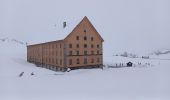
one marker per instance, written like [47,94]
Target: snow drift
[127,83]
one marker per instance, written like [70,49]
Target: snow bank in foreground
[128,83]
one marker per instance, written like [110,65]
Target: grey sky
[126,25]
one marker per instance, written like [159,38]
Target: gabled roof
[62,33]
[74,25]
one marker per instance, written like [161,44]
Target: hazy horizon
[126,25]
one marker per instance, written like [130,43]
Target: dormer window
[64,24]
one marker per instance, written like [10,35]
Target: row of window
[46,53]
[85,38]
[51,60]
[85,61]
[71,53]
[70,46]
[52,53]
[85,52]
[52,46]
[85,46]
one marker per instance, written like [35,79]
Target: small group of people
[119,65]
[22,73]
[139,63]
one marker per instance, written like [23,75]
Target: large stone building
[80,48]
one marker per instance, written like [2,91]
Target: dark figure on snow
[102,67]
[32,74]
[21,74]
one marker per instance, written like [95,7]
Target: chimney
[64,24]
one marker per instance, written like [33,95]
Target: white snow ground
[126,83]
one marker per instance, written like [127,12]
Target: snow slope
[126,83]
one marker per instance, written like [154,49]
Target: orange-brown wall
[50,53]
[53,53]
[90,33]
[34,53]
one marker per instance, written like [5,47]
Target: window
[52,60]
[85,38]
[97,51]
[56,45]
[92,52]
[97,46]
[85,52]
[60,53]
[77,52]
[70,53]
[85,30]
[92,46]
[98,60]
[85,60]
[70,61]
[46,60]
[60,61]
[46,52]
[70,45]
[49,60]
[91,38]
[92,60]
[77,38]
[57,61]
[85,45]
[77,45]
[77,61]
[52,53]
[60,45]
[56,53]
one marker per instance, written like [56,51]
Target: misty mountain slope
[162,54]
[13,57]
[128,83]
[132,26]
[163,51]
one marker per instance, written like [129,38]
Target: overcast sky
[138,26]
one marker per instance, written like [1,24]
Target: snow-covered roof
[60,32]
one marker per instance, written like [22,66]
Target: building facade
[81,48]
